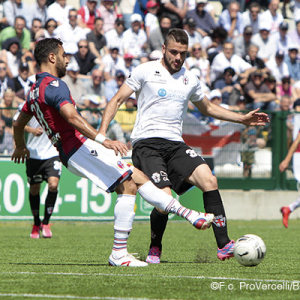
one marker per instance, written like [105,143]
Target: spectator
[293,62]
[199,60]
[6,140]
[70,33]
[270,82]
[39,10]
[92,114]
[50,27]
[272,17]
[229,88]
[134,38]
[36,31]
[189,26]
[75,85]
[296,9]
[295,34]
[128,64]
[263,40]
[252,17]
[157,36]
[204,21]
[21,82]
[258,94]
[231,20]
[112,62]
[277,66]
[126,116]
[112,86]
[59,11]
[88,13]
[282,40]
[114,36]
[95,85]
[8,107]
[242,42]
[175,9]
[213,43]
[5,81]
[14,8]
[285,88]
[228,59]
[140,8]
[151,20]
[252,59]
[108,13]
[86,60]
[215,97]
[19,31]
[3,20]
[96,39]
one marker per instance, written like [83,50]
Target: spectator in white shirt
[227,59]
[39,10]
[70,33]
[272,17]
[264,41]
[114,36]
[151,20]
[112,62]
[59,11]
[14,8]
[278,67]
[135,38]
[281,38]
[189,25]
[252,16]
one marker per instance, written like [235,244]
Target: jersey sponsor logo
[220,221]
[162,92]
[185,80]
[191,153]
[54,83]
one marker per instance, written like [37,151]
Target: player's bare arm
[70,114]
[218,112]
[113,105]
[285,163]
[21,152]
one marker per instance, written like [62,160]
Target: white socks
[124,215]
[294,205]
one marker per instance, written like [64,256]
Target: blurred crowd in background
[245,53]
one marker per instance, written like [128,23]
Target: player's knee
[53,185]
[34,189]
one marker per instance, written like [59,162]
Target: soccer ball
[249,250]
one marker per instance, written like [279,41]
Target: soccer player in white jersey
[163,89]
[287,210]
[87,153]
[43,165]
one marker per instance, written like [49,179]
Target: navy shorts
[166,163]
[38,170]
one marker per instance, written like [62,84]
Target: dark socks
[35,208]
[158,223]
[49,206]
[213,204]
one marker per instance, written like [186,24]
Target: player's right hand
[20,154]
[117,146]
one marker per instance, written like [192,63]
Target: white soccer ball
[249,250]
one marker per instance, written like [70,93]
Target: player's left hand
[255,118]
[20,154]
[117,146]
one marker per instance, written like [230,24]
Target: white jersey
[162,100]
[40,147]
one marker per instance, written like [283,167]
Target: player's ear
[52,57]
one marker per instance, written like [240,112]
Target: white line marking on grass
[66,296]
[146,275]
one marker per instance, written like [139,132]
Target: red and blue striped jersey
[47,95]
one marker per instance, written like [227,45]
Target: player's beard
[60,68]
[168,65]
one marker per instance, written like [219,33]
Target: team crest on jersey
[120,164]
[185,80]
[162,92]
[220,221]
[54,83]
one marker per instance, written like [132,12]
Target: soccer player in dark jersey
[87,153]
[164,88]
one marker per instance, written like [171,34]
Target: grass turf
[73,264]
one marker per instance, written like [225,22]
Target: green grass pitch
[74,263]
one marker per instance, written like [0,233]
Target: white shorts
[100,165]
